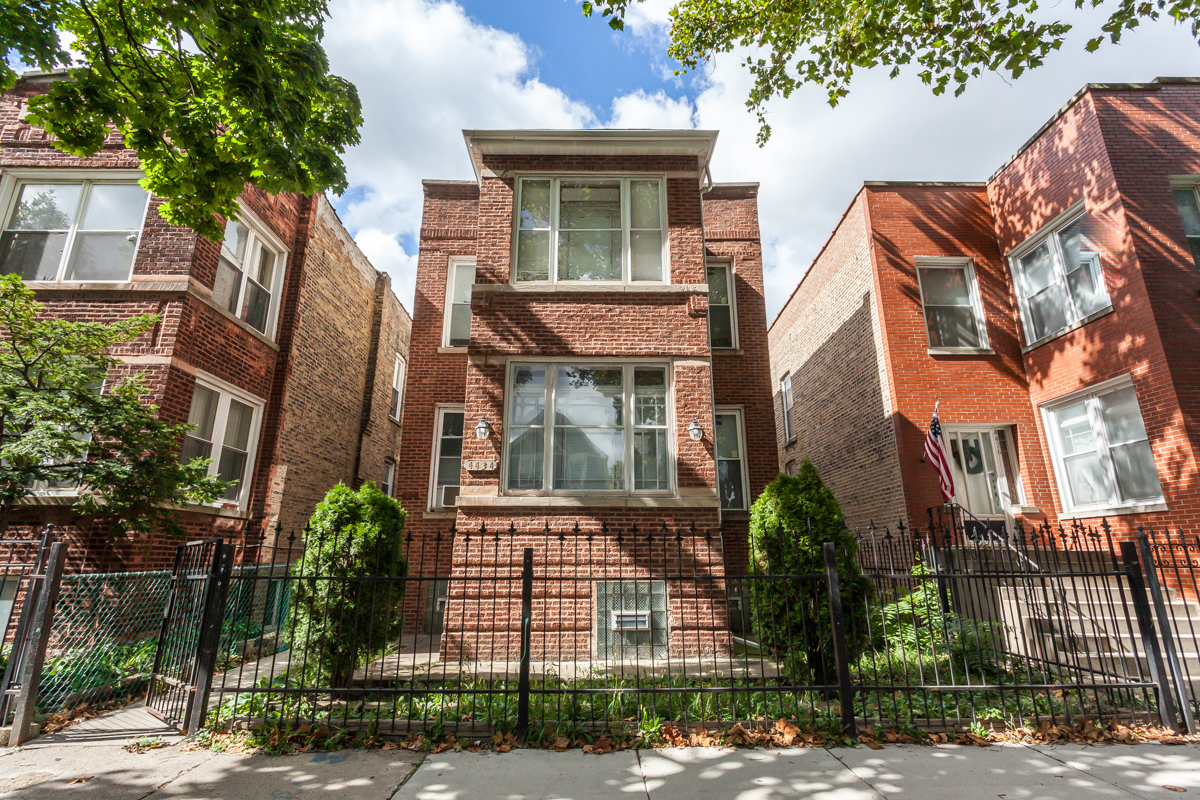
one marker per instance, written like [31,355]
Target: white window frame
[451,269]
[260,231]
[740,415]
[976,304]
[626,212]
[225,391]
[627,367]
[399,371]
[389,476]
[1089,394]
[1187,183]
[440,410]
[13,179]
[1048,233]
[785,389]
[728,267]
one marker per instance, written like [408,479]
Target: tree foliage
[212,94]
[58,429]
[795,42]
[339,620]
[790,523]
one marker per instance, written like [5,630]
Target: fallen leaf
[80,779]
[1170,788]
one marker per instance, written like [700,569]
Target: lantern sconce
[695,431]
[483,430]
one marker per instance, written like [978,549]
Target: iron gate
[188,638]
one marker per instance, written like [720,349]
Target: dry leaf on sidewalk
[80,779]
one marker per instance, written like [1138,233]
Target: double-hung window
[388,486]
[1101,451]
[226,432]
[602,418]
[250,273]
[72,230]
[1059,280]
[785,391]
[456,329]
[1189,212]
[729,437]
[397,388]
[950,298]
[447,456]
[722,318]
[591,229]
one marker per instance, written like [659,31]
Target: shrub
[340,621]
[790,523]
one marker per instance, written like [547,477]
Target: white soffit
[698,144]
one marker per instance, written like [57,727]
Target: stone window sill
[599,287]
[602,501]
[451,350]
[726,351]
[961,351]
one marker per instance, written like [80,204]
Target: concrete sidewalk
[45,769]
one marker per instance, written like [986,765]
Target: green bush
[790,523]
[340,619]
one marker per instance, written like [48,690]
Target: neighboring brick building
[1054,310]
[579,272]
[282,343]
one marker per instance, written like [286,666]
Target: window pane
[535,204]
[720,326]
[101,257]
[232,468]
[729,484]
[460,325]
[394,406]
[529,395]
[526,455]
[726,436]
[533,255]
[1037,269]
[585,396]
[645,257]
[589,458]
[592,256]
[1185,201]
[236,235]
[644,211]
[718,285]
[194,448]
[33,256]
[45,207]
[114,207]
[1084,281]
[449,471]
[464,278]
[451,445]
[227,286]
[237,426]
[256,307]
[1194,244]
[590,205]
[264,270]
[952,326]
[650,460]
[1137,477]
[1048,312]
[650,396]
[1122,416]
[452,425]
[203,413]
[1086,478]
[945,287]
[1075,430]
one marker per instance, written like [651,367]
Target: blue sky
[426,69]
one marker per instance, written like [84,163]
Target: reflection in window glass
[950,309]
[730,460]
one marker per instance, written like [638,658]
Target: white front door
[984,477]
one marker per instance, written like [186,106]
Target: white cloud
[386,254]
[658,110]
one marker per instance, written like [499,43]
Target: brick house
[1053,309]
[588,272]
[282,343]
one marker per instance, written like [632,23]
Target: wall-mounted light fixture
[483,430]
[695,431]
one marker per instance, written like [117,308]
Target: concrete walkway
[50,767]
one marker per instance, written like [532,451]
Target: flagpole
[935,410]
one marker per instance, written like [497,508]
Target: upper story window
[1189,211]
[591,229]
[785,391]
[602,418]
[722,316]
[226,431]
[1101,450]
[1059,280]
[83,230]
[950,298]
[397,388]
[456,328]
[250,273]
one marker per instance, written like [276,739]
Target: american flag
[935,451]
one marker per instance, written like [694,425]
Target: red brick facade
[1113,155]
[322,375]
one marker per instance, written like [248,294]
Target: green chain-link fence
[106,628]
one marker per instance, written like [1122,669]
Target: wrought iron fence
[558,630]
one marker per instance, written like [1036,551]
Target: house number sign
[481,464]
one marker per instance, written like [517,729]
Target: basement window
[631,619]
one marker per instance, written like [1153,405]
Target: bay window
[604,419]
[82,230]
[591,229]
[249,273]
[1059,281]
[1102,454]
[226,431]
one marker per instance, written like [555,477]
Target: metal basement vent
[631,619]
